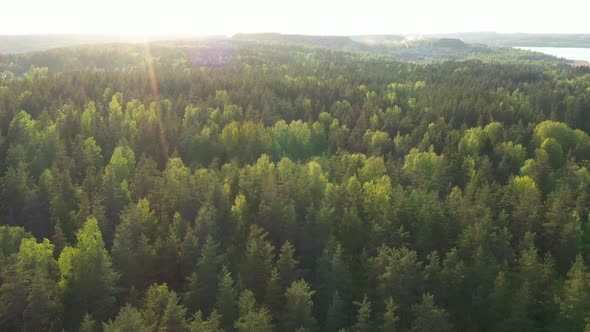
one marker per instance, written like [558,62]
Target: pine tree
[88,279]
[202,285]
[133,251]
[256,269]
[251,318]
[390,319]
[429,317]
[88,324]
[29,296]
[212,324]
[287,264]
[191,294]
[520,311]
[363,316]
[574,302]
[297,313]
[332,275]
[189,253]
[174,316]
[157,298]
[58,239]
[128,319]
[336,318]
[226,299]
[167,266]
[42,308]
[500,300]
[273,298]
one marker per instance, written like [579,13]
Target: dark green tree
[336,317]
[133,250]
[574,300]
[128,319]
[256,268]
[202,290]
[429,317]
[390,320]
[297,313]
[226,299]
[251,318]
[363,316]
[88,280]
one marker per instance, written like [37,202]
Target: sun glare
[328,17]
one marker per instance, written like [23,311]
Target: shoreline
[579,63]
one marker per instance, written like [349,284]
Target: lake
[562,52]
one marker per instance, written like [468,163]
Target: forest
[249,186]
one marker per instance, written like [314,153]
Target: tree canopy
[270,187]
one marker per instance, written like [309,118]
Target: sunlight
[304,17]
[310,165]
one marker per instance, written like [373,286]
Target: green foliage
[162,310]
[378,142]
[89,120]
[133,248]
[390,319]
[397,273]
[87,277]
[177,188]
[251,318]
[121,164]
[155,303]
[573,302]
[128,319]
[293,140]
[244,141]
[287,265]
[88,324]
[421,167]
[28,295]
[10,240]
[285,187]
[335,317]
[92,155]
[472,142]
[202,291]
[174,316]
[213,324]
[226,298]
[298,308]
[363,316]
[429,317]
[256,266]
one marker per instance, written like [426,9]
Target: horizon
[181,34]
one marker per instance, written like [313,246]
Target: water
[562,52]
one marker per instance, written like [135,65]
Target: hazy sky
[335,17]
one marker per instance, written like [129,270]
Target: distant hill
[440,49]
[403,48]
[333,42]
[379,39]
[31,43]
[522,39]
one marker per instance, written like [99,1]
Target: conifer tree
[88,280]
[297,313]
[226,298]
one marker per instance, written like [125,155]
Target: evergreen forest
[256,186]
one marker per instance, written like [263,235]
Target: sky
[319,17]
